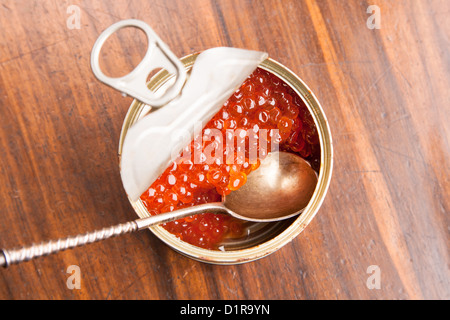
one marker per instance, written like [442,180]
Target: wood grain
[384,91]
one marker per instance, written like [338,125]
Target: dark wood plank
[384,91]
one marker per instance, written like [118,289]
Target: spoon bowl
[281,188]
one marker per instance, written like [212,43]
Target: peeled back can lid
[154,141]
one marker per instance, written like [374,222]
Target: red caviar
[263,109]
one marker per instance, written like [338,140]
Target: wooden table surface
[386,95]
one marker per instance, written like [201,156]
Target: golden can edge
[300,222]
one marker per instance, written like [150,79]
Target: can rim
[299,224]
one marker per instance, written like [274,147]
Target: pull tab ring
[134,84]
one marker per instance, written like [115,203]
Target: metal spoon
[280,188]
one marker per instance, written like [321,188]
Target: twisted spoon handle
[27,253]
[13,256]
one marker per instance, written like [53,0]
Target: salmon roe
[213,169]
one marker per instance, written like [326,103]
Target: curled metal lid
[154,141]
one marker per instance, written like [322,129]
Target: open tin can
[263,238]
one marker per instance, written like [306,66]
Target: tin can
[264,238]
